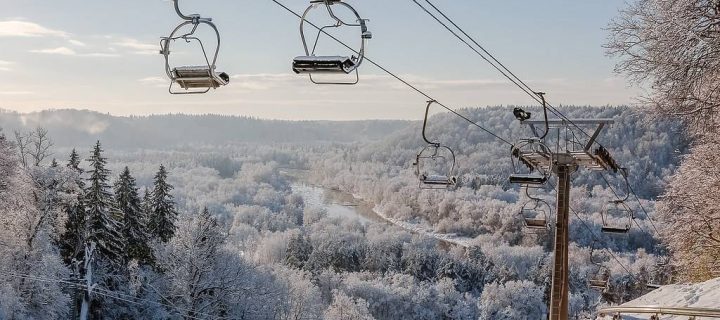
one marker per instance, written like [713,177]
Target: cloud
[15,93]
[136,46]
[154,81]
[100,55]
[15,28]
[65,51]
[5,65]
[77,43]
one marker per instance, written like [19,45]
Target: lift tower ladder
[568,156]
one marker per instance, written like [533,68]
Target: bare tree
[23,142]
[33,146]
[671,47]
[41,144]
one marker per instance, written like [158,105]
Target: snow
[698,295]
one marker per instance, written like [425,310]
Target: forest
[216,230]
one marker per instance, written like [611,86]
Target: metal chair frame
[356,61]
[214,80]
[618,207]
[432,152]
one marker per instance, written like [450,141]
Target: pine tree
[147,209]
[104,220]
[72,240]
[163,215]
[134,219]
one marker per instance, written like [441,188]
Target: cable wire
[405,82]
[652,223]
[594,236]
[505,71]
[110,294]
[514,79]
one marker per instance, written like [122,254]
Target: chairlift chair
[532,153]
[434,153]
[600,280]
[535,212]
[310,63]
[618,208]
[659,266]
[195,79]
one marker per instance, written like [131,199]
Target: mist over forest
[82,127]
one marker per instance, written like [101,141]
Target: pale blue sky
[102,55]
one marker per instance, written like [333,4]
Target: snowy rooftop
[699,295]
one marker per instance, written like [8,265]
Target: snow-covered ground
[699,295]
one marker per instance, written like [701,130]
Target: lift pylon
[568,154]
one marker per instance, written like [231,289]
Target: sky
[104,56]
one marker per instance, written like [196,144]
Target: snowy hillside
[699,295]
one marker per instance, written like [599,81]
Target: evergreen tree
[103,219]
[147,209]
[163,215]
[298,251]
[134,218]
[72,240]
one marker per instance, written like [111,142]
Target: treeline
[83,127]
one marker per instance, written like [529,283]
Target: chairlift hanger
[311,63]
[434,152]
[618,207]
[196,79]
[537,151]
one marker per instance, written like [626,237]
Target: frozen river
[337,203]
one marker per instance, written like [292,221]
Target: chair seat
[536,223]
[199,77]
[323,64]
[614,230]
[438,180]
[534,179]
[598,284]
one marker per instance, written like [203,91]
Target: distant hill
[70,128]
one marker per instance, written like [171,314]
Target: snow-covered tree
[164,214]
[30,269]
[298,251]
[134,229]
[72,241]
[200,275]
[691,214]
[512,300]
[103,219]
[671,48]
[344,307]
